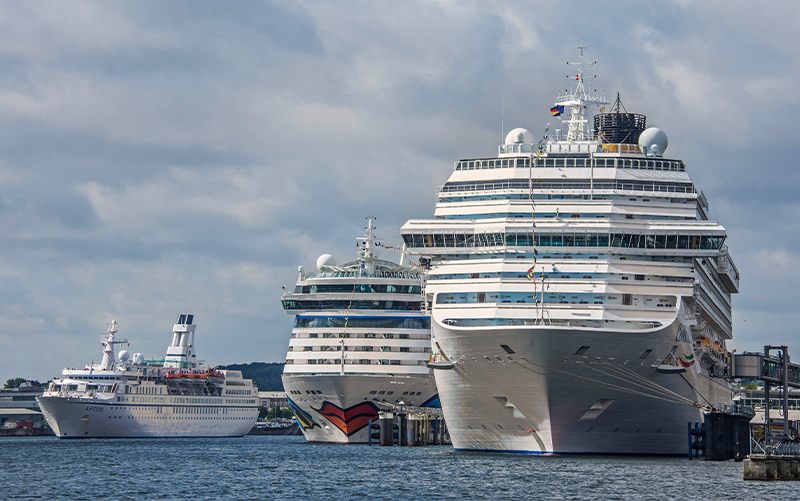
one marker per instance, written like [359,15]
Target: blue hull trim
[540,453]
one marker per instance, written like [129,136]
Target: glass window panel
[461,241]
[661,241]
[602,239]
[418,241]
[580,240]
[683,242]
[449,241]
[543,239]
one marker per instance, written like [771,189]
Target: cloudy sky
[159,158]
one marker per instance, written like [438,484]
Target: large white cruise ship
[372,311]
[581,296]
[130,397]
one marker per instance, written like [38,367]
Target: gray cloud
[161,158]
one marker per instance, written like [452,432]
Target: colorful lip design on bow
[349,420]
[304,419]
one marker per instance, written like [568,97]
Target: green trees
[14,383]
[274,413]
[267,376]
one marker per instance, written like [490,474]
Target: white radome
[325,260]
[519,135]
[654,140]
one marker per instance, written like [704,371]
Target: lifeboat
[440,361]
[672,365]
[215,376]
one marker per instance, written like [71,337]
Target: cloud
[163,158]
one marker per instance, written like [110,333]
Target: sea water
[268,467]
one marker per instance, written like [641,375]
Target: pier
[412,427]
[775,436]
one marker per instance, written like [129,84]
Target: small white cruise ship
[581,296]
[128,396]
[361,342]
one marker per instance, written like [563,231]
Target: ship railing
[645,187]
[354,274]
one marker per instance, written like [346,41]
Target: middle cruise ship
[372,311]
[581,297]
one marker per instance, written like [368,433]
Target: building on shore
[272,399]
[20,418]
[22,397]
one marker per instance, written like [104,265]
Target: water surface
[265,467]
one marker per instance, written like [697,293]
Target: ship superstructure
[360,343]
[178,396]
[579,290]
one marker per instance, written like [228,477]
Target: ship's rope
[652,386]
[601,384]
[696,391]
[645,381]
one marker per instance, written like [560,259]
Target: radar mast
[579,100]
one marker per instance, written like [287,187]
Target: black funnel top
[619,126]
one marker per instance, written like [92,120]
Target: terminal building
[272,399]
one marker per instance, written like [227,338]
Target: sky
[160,158]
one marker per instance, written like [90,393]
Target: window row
[352,288]
[564,239]
[571,184]
[362,361]
[344,304]
[577,161]
[367,335]
[401,349]
[361,322]
[553,298]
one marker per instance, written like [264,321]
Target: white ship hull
[544,398]
[72,417]
[341,406]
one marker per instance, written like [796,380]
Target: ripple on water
[263,467]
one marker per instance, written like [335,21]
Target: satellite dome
[324,261]
[519,135]
[138,359]
[653,141]
[123,356]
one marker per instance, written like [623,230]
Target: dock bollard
[402,435]
[386,431]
